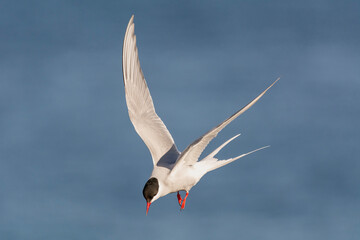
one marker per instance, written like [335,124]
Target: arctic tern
[173,171]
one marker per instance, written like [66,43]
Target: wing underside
[140,105]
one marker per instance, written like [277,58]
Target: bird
[173,171]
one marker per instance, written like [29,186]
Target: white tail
[213,163]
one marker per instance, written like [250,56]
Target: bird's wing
[192,153]
[141,109]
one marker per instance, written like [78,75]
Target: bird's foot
[184,201]
[179,198]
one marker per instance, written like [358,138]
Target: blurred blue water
[72,167]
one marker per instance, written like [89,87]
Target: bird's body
[183,180]
[173,171]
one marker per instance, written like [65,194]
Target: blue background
[72,166]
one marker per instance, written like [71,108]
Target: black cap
[151,188]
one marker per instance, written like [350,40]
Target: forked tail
[213,163]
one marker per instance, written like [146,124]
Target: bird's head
[150,191]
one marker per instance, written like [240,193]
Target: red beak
[147,207]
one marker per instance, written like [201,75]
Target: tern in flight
[173,171]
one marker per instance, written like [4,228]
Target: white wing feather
[141,109]
[192,153]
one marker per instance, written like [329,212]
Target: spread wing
[140,105]
[192,153]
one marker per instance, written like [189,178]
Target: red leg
[184,200]
[179,198]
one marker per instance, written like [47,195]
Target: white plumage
[174,171]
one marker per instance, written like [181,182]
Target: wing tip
[273,84]
[130,25]
[275,81]
[131,19]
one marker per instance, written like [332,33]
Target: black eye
[151,188]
